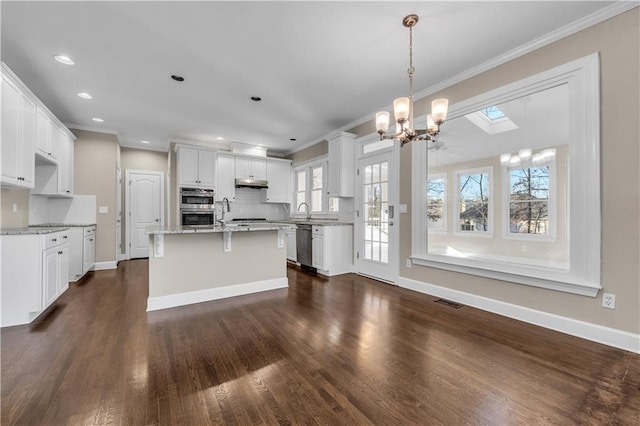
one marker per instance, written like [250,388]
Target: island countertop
[229,227]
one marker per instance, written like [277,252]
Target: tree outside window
[436,191]
[473,202]
[529,200]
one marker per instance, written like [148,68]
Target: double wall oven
[197,207]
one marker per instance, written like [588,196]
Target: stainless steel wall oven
[197,207]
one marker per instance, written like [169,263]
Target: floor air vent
[449,303]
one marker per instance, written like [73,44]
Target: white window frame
[551,236]
[445,210]
[309,166]
[475,171]
[583,273]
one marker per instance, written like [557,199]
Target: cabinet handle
[65,237]
[67,191]
[90,239]
[54,239]
[59,252]
[48,153]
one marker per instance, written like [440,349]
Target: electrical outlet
[408,263]
[608,300]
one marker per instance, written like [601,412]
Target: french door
[376,222]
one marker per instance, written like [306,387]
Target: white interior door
[119,247]
[145,202]
[376,222]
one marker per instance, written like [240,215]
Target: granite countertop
[65,225]
[229,227]
[322,222]
[32,230]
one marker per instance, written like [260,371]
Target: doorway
[144,208]
[376,221]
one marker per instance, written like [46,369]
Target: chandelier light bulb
[431,125]
[401,108]
[439,109]
[382,121]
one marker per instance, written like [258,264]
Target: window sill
[553,279]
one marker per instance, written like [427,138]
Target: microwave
[197,198]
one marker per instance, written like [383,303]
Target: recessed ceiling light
[256,98]
[98,120]
[85,95]
[63,59]
[220,138]
[177,78]
[144,142]
[293,139]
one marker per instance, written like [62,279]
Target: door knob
[390,223]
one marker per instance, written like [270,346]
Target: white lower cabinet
[35,272]
[332,249]
[82,251]
[291,245]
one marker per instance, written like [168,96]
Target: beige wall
[9,197]
[95,159]
[317,150]
[618,41]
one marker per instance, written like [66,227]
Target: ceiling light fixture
[256,98]
[177,78]
[144,142]
[85,95]
[64,59]
[98,120]
[403,107]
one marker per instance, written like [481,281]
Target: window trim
[583,275]
[445,210]
[490,202]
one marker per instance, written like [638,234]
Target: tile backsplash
[250,203]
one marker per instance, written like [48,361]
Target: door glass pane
[376,215]
[367,174]
[384,252]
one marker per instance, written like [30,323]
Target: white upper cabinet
[226,169]
[252,168]
[279,178]
[341,165]
[196,167]
[18,134]
[44,136]
[55,179]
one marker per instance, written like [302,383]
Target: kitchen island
[193,265]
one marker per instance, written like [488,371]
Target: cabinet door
[226,187]
[89,253]
[317,253]
[187,167]
[243,167]
[63,270]
[10,131]
[50,275]
[69,168]
[26,160]
[43,134]
[291,245]
[206,168]
[258,168]
[279,177]
[55,141]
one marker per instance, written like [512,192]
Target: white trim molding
[188,298]
[101,266]
[597,333]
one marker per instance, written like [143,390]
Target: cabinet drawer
[89,230]
[53,239]
[317,230]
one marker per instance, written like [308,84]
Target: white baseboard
[99,266]
[594,332]
[181,299]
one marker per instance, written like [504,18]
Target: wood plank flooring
[346,350]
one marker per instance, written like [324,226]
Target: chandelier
[403,107]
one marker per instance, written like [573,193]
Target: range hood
[251,183]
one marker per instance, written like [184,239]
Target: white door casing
[376,221]
[144,200]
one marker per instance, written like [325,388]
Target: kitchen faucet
[307,208]
[228,208]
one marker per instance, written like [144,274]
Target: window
[549,217]
[311,187]
[529,201]
[473,202]
[436,203]
[492,113]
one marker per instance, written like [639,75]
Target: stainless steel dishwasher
[303,245]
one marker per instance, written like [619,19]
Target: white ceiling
[318,66]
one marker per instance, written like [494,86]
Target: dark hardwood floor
[346,350]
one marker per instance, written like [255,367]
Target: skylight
[492,113]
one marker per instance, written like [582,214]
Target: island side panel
[196,262]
